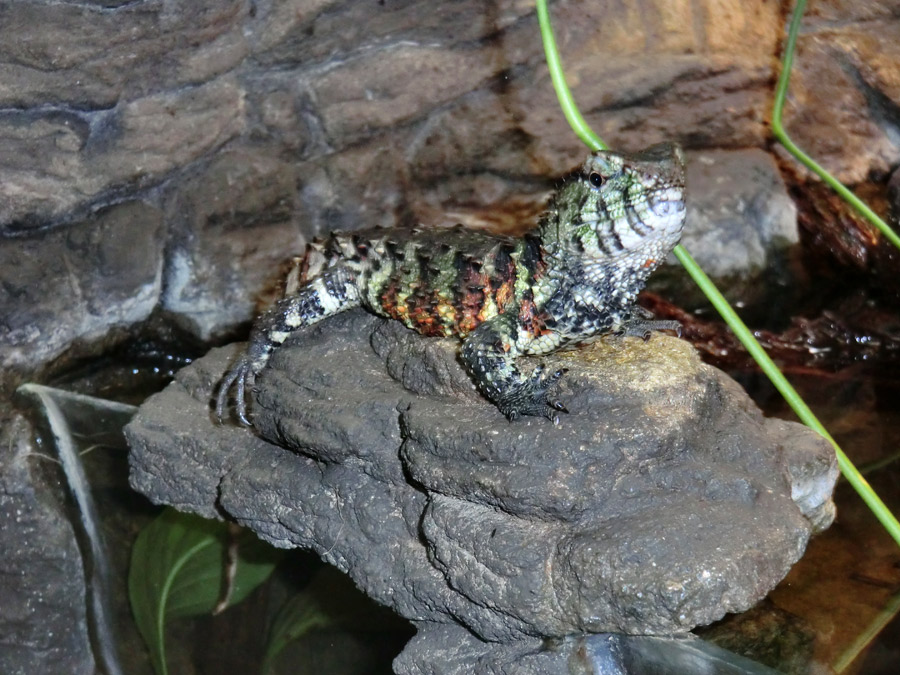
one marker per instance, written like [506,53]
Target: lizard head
[625,210]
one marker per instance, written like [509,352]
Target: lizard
[572,279]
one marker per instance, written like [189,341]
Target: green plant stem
[557,75]
[853,476]
[779,132]
[864,640]
[879,464]
[584,132]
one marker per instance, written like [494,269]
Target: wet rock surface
[44,623]
[663,501]
[740,225]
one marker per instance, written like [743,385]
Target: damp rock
[742,215]
[663,501]
[741,224]
[44,624]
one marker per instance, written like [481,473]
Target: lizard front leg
[489,354]
[332,292]
[641,323]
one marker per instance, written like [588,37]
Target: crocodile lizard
[573,278]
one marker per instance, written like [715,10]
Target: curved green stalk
[864,640]
[164,599]
[798,405]
[584,132]
[779,132]
[557,75]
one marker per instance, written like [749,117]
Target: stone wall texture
[166,155]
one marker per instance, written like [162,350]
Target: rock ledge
[663,501]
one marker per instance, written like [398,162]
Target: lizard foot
[242,374]
[644,328]
[531,397]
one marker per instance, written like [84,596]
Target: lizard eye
[595,179]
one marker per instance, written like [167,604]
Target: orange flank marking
[476,287]
[425,319]
[391,304]
[530,320]
[504,294]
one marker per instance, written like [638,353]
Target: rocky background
[159,159]
[164,157]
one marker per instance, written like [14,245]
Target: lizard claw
[242,375]
[643,328]
[531,397]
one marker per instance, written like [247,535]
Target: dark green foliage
[178,564]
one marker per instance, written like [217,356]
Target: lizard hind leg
[489,353]
[330,293]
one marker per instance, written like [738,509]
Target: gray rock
[380,456]
[64,163]
[740,212]
[813,475]
[43,625]
[88,58]
[442,649]
[78,282]
[232,225]
[740,224]
[439,649]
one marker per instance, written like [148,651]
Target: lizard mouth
[667,202]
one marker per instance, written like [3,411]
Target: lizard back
[437,281]
[572,279]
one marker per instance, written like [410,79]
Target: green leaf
[177,569]
[330,601]
[299,615]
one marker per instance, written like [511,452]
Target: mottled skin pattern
[574,278]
